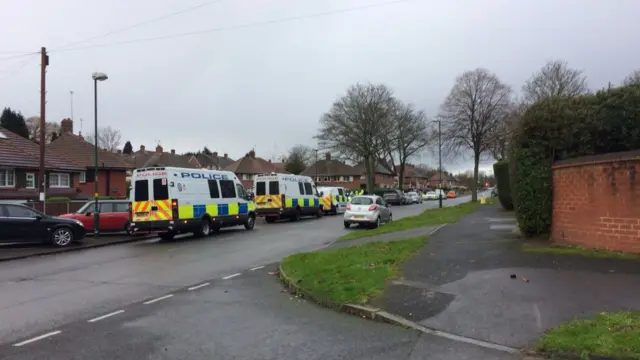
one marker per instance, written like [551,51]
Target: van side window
[261,188]
[307,189]
[160,189]
[242,194]
[141,192]
[301,186]
[228,189]
[213,189]
[341,192]
[274,188]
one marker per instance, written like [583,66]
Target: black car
[394,197]
[20,223]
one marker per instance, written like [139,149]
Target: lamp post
[97,76]
[439,161]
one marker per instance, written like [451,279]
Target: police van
[280,196]
[333,199]
[171,201]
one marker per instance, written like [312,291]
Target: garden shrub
[501,173]
[562,128]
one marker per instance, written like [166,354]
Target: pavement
[134,301]
[461,283]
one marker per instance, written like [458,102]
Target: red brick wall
[385,180]
[597,205]
[117,184]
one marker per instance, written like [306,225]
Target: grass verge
[615,335]
[352,274]
[577,250]
[428,217]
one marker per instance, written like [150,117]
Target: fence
[57,207]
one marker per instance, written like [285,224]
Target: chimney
[252,154]
[173,151]
[66,126]
[328,156]
[159,149]
[226,155]
[269,161]
[215,154]
[141,148]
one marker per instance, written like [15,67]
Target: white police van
[171,200]
[279,196]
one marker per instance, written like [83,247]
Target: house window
[7,178]
[83,177]
[247,176]
[31,181]
[59,180]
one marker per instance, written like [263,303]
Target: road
[53,306]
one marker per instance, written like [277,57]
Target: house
[143,158]
[448,181]
[212,162]
[384,177]
[330,172]
[414,178]
[247,167]
[112,167]
[20,165]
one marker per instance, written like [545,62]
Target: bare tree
[298,159]
[502,132]
[52,130]
[633,78]
[354,127]
[555,78]
[470,114]
[109,139]
[406,137]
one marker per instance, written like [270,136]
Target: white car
[431,195]
[367,210]
[414,198]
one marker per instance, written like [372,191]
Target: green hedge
[501,173]
[561,128]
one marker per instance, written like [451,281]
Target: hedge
[560,128]
[501,173]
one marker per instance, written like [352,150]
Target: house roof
[411,171]
[250,164]
[445,177]
[142,159]
[206,160]
[329,167]
[16,151]
[380,169]
[76,149]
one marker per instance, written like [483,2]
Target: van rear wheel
[296,215]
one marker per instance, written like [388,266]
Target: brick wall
[117,184]
[596,202]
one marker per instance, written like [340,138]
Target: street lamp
[440,161]
[97,76]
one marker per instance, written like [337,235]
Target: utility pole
[440,194]
[44,62]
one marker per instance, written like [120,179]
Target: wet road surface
[41,296]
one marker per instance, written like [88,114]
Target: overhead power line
[17,56]
[149,21]
[241,26]
[12,70]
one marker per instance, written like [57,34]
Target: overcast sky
[267,85]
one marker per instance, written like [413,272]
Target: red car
[114,216]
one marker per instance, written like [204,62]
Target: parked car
[394,196]
[20,223]
[367,209]
[413,198]
[451,194]
[430,195]
[113,216]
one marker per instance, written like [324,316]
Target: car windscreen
[361,201]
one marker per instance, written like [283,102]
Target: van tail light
[174,209]
[373,207]
[349,206]
[130,210]
[282,201]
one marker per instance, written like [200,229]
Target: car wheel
[251,222]
[204,229]
[377,223]
[128,229]
[62,236]
[347,225]
[320,213]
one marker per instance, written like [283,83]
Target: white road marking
[231,276]
[198,286]
[158,299]
[106,316]
[47,335]
[481,343]
[257,268]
